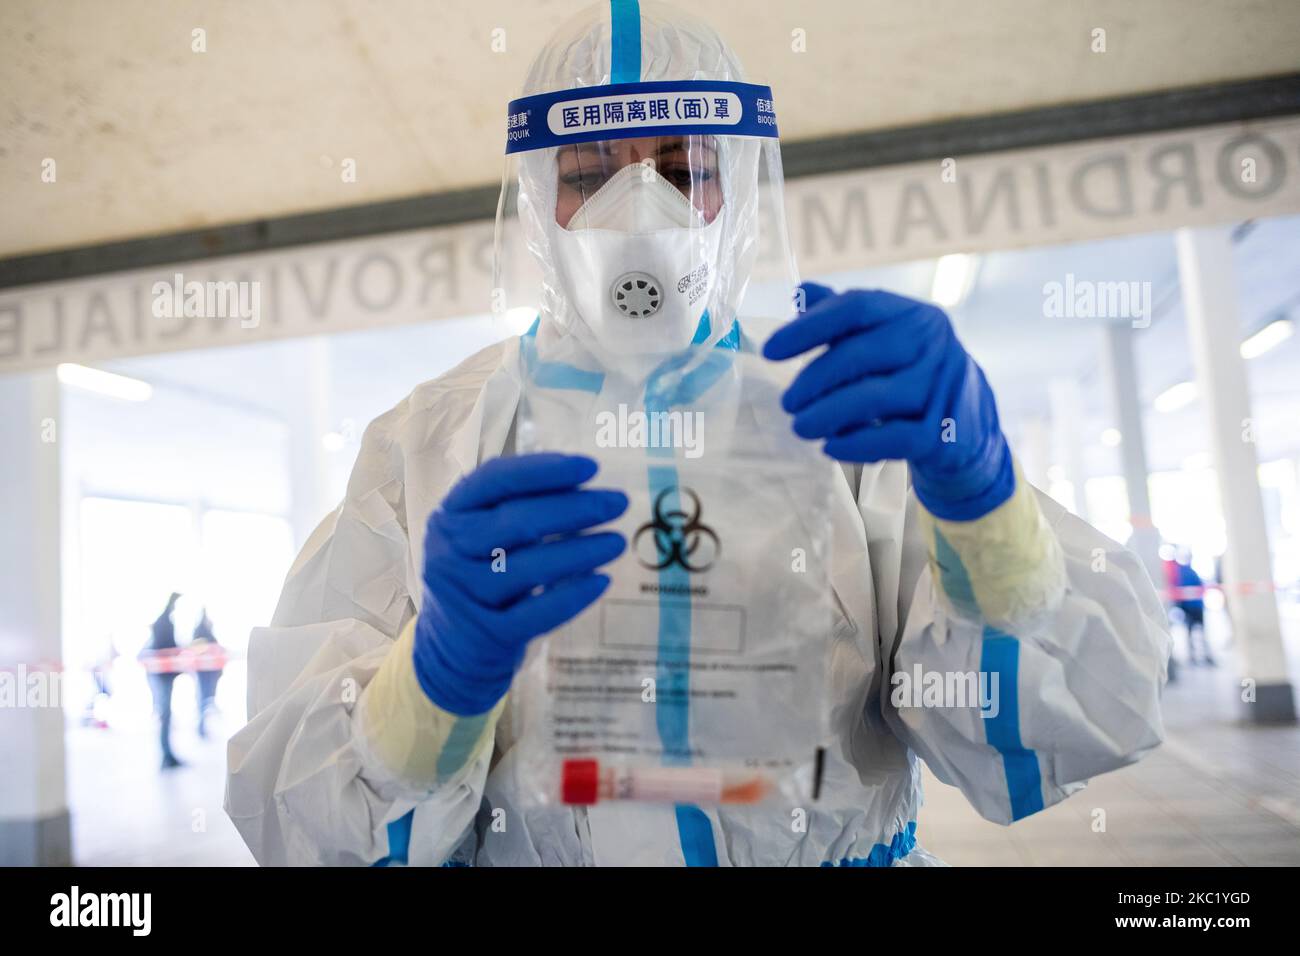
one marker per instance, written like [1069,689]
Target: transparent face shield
[640,220]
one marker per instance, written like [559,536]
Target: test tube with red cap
[586,781]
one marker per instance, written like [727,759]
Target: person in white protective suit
[643,172]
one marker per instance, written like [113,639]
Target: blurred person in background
[1221,569]
[1191,591]
[1168,584]
[100,671]
[208,660]
[158,654]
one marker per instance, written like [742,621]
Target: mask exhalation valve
[637,295]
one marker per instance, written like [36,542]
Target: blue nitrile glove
[894,382]
[476,622]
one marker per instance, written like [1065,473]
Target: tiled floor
[1220,792]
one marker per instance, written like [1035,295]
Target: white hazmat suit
[1066,619]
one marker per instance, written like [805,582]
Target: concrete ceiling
[149,137]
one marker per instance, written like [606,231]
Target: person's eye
[683,177]
[586,180]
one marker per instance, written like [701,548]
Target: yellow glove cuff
[1004,568]
[416,741]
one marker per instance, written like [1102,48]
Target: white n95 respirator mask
[637,263]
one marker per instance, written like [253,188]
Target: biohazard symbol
[679,538]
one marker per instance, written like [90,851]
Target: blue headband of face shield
[628,110]
[627,107]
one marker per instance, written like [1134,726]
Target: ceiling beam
[1046,126]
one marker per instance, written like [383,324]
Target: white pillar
[1210,303]
[1126,403]
[308,420]
[1066,404]
[34,825]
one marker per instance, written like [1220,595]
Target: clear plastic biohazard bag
[700,675]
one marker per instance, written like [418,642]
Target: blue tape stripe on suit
[999,654]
